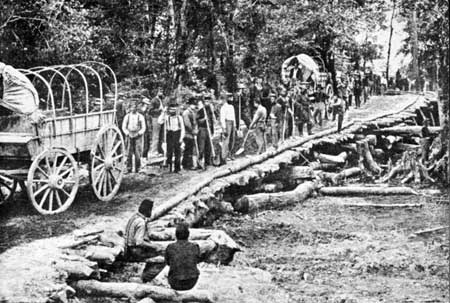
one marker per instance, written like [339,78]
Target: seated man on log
[137,248]
[182,258]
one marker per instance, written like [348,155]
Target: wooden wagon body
[45,158]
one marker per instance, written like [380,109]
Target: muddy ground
[319,251]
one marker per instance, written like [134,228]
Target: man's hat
[192,101]
[146,101]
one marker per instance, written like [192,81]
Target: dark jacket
[201,121]
[190,123]
[182,258]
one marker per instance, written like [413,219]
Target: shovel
[242,149]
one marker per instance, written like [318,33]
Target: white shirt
[227,113]
[133,125]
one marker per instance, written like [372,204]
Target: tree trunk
[251,203]
[95,288]
[362,191]
[390,41]
[292,174]
[369,162]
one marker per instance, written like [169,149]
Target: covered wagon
[77,108]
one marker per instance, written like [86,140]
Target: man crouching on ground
[182,258]
[137,247]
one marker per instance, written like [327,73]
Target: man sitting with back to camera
[182,258]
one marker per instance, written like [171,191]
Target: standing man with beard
[205,121]
[190,134]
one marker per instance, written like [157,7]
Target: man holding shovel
[259,123]
[205,121]
[228,124]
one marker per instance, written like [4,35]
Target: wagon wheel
[7,189]
[107,163]
[53,181]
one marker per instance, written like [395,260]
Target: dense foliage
[167,43]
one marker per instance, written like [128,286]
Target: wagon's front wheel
[7,189]
[53,181]
[107,163]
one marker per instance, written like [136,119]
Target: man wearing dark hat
[205,122]
[182,257]
[190,134]
[137,247]
[174,126]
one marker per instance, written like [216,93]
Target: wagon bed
[45,157]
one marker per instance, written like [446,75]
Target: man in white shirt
[133,127]
[228,124]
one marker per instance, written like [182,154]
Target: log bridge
[298,169]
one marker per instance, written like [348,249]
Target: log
[93,288]
[291,174]
[401,147]
[366,155]
[83,241]
[146,300]
[323,166]
[339,159]
[431,230]
[374,205]
[349,172]
[362,191]
[103,254]
[406,130]
[251,203]
[78,270]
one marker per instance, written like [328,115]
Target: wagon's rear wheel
[7,189]
[107,163]
[53,181]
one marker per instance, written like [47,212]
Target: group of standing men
[161,130]
[272,113]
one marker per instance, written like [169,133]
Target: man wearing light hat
[133,127]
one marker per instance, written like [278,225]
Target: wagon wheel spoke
[44,197]
[67,172]
[47,162]
[63,162]
[43,172]
[58,199]
[113,151]
[50,201]
[40,181]
[99,159]
[100,182]
[40,190]
[65,192]
[117,157]
[97,179]
[96,168]
[113,178]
